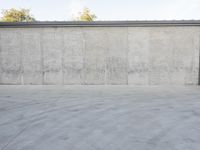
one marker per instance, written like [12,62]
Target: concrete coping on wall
[99,24]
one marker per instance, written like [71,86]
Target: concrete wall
[100,55]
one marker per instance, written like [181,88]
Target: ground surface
[99,118]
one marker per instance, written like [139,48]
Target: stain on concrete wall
[11,66]
[32,66]
[116,65]
[72,56]
[100,55]
[52,45]
[94,56]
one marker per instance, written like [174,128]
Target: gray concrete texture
[99,117]
[100,55]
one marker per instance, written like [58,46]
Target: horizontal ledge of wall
[99,24]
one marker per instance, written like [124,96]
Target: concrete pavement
[99,118]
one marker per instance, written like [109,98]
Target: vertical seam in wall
[54,48]
[21,59]
[105,55]
[42,55]
[199,61]
[127,52]
[149,56]
[62,57]
[0,59]
[83,51]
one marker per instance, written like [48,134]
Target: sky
[65,10]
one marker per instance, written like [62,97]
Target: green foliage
[17,15]
[86,15]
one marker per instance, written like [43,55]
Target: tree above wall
[86,15]
[17,15]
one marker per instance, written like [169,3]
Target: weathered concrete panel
[138,56]
[73,55]
[167,55]
[173,52]
[116,60]
[161,56]
[94,56]
[52,47]
[186,48]
[32,57]
[10,56]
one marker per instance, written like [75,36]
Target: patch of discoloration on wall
[138,56]
[117,56]
[52,54]
[10,56]
[94,55]
[72,55]
[32,68]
